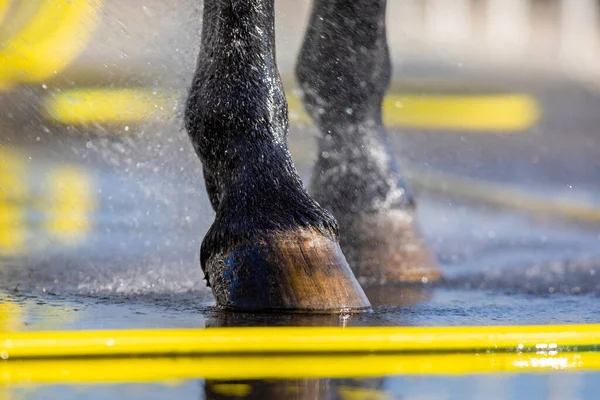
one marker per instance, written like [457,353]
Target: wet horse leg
[271,246]
[344,70]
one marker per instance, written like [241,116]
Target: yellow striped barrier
[510,113]
[476,113]
[507,113]
[109,106]
[292,353]
[142,370]
[225,341]
[49,41]
[170,355]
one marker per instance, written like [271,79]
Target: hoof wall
[296,271]
[388,248]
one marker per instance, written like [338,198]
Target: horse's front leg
[271,247]
[344,71]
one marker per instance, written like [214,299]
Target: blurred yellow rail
[490,113]
[500,112]
[49,41]
[82,106]
[78,371]
[294,340]
[507,113]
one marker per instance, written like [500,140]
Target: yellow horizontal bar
[81,106]
[293,340]
[510,113]
[500,112]
[51,39]
[78,371]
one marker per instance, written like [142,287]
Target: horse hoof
[387,248]
[285,271]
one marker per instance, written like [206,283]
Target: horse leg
[344,70]
[271,246]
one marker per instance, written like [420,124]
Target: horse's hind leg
[344,71]
[271,247]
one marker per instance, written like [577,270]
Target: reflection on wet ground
[541,386]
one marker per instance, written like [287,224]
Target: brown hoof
[387,248]
[294,271]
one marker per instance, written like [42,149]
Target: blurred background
[492,114]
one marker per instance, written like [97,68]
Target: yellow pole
[98,370]
[489,113]
[51,39]
[510,113]
[112,106]
[295,340]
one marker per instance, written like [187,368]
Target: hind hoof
[294,271]
[387,248]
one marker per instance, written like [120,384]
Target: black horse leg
[271,247]
[344,71]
